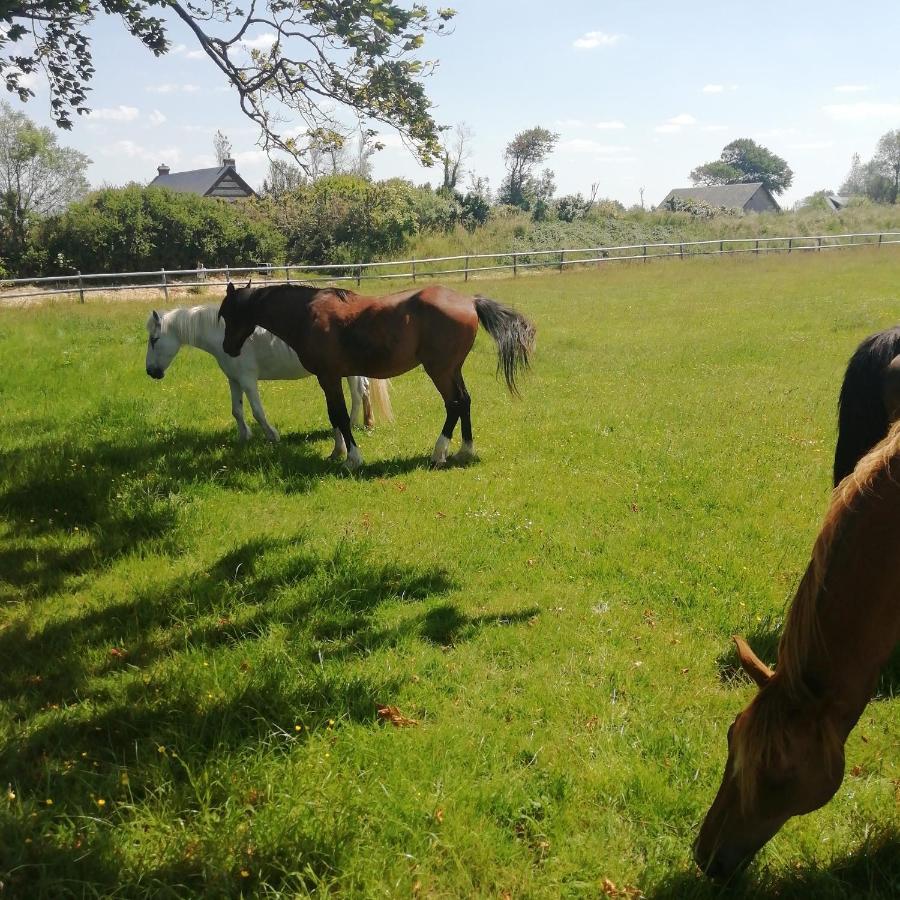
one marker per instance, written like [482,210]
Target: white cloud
[133,150]
[583,145]
[156,117]
[115,113]
[683,119]
[713,88]
[851,88]
[260,42]
[609,126]
[172,88]
[861,111]
[594,39]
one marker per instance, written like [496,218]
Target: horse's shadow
[764,638]
[872,870]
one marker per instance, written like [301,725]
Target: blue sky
[639,91]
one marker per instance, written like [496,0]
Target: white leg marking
[259,413]
[466,452]
[340,448]
[354,458]
[439,456]
[237,410]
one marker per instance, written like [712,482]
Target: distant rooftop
[221,181]
[731,196]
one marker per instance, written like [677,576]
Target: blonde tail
[379,390]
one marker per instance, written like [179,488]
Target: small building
[753,197]
[222,182]
[836,202]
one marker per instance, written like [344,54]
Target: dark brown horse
[869,400]
[335,332]
[786,749]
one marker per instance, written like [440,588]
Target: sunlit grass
[196,636]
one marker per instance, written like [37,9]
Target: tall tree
[887,160]
[523,154]
[284,177]
[222,146]
[455,150]
[326,55]
[744,161]
[37,177]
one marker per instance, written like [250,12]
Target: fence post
[562,259]
[682,251]
[414,269]
[721,246]
[466,276]
[645,253]
[790,244]
[757,246]
[358,273]
[287,274]
[880,236]
[515,257]
[80,287]
[227,273]
[165,284]
[818,243]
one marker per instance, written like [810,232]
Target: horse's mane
[188,323]
[762,739]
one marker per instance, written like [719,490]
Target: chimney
[163,169]
[228,161]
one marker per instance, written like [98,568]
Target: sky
[640,92]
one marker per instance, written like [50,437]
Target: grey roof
[198,181]
[731,196]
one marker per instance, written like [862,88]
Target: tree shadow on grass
[764,640]
[871,871]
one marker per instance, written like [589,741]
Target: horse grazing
[786,749]
[264,357]
[335,332]
[869,400]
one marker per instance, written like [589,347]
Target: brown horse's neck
[283,310]
[852,618]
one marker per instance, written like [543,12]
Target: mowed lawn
[195,636]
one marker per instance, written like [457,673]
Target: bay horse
[336,332]
[786,749]
[870,399]
[263,358]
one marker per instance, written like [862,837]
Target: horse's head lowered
[161,346]
[237,312]
[784,759]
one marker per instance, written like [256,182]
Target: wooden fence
[80,285]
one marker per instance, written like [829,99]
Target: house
[222,182]
[836,202]
[754,197]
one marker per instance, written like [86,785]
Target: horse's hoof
[336,455]
[354,459]
[273,436]
[437,464]
[464,456]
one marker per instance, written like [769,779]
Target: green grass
[195,636]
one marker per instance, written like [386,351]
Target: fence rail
[412,269]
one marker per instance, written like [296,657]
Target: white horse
[263,357]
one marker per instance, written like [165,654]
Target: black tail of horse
[862,417]
[513,333]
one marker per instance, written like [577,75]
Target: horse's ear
[751,663]
[229,291]
[156,317]
[249,280]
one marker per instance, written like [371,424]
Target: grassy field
[195,636]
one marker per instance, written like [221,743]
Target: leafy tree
[137,228]
[523,154]
[870,179]
[359,55]
[283,178]
[744,161]
[37,178]
[887,161]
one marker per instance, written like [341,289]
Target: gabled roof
[731,196]
[199,181]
